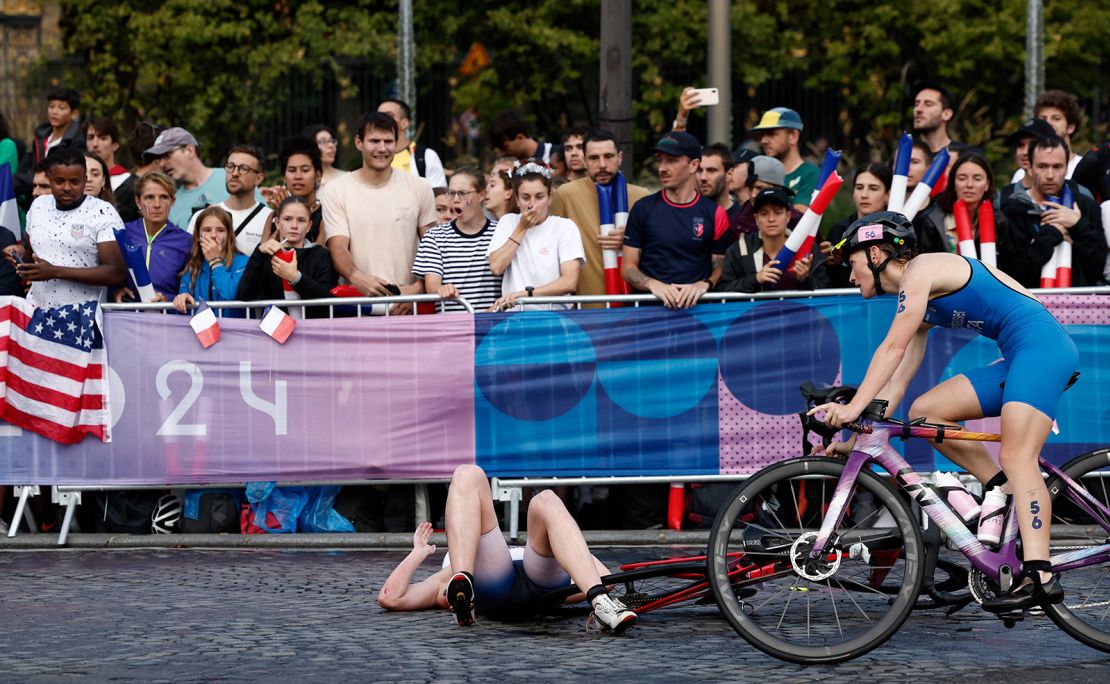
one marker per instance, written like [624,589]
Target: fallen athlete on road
[482,574]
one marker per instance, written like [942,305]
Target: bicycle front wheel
[851,600]
[1085,613]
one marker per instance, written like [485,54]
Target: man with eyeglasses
[198,186]
[248,216]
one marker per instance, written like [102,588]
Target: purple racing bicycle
[846,559]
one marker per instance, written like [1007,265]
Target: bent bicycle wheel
[838,607]
[1085,612]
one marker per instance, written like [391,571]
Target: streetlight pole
[615,97]
[720,73]
[1034,55]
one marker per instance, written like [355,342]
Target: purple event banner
[344,399]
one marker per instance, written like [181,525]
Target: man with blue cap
[780,134]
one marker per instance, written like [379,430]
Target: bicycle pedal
[1012,618]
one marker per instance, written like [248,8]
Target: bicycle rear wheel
[859,594]
[1085,613]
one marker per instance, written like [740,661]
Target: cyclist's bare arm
[912,301]
[895,389]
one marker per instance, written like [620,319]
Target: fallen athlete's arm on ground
[399,591]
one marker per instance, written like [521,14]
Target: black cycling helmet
[882,227]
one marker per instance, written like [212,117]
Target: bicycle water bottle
[957,496]
[992,516]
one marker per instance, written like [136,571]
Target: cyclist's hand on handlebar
[840,449]
[836,414]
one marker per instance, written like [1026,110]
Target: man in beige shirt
[577,201]
[374,216]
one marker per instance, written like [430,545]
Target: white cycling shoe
[613,614]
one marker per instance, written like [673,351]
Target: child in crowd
[290,266]
[214,268]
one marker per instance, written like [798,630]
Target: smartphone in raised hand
[706,97]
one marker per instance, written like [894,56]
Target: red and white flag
[53,377]
[206,326]
[277,324]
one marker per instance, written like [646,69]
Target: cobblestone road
[299,615]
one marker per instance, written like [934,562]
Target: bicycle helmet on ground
[882,227]
[167,515]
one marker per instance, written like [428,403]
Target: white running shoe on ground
[460,596]
[613,614]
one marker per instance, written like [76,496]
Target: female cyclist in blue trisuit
[1024,388]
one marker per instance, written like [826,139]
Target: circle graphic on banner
[771,349]
[657,368]
[535,365]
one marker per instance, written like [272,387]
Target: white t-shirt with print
[542,250]
[70,239]
[251,235]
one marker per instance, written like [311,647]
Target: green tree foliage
[219,67]
[223,67]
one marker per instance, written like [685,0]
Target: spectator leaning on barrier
[577,201]
[870,194]
[102,138]
[374,216]
[75,256]
[249,217]
[536,253]
[289,257]
[749,263]
[165,246]
[509,134]
[451,259]
[676,239]
[411,157]
[1035,225]
[199,186]
[780,134]
[214,268]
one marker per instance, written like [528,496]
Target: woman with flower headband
[539,255]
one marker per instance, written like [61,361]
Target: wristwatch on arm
[530,290]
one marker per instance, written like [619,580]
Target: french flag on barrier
[136,266]
[277,324]
[205,325]
[9,211]
[52,370]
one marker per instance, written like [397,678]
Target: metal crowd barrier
[507,490]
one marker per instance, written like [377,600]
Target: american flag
[53,378]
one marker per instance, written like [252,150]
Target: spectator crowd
[530,225]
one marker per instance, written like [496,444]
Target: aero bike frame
[873,446]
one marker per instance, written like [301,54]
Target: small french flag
[277,324]
[205,325]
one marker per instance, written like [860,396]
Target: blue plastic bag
[284,503]
[320,514]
